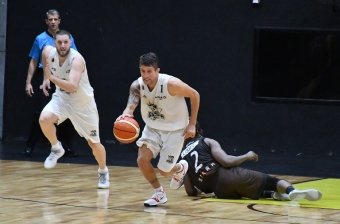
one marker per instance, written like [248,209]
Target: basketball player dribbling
[73,99]
[166,116]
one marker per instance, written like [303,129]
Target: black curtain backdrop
[208,44]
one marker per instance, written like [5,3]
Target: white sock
[103,170]
[56,146]
[160,189]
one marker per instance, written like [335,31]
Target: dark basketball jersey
[209,176]
[202,165]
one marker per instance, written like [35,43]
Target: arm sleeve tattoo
[134,96]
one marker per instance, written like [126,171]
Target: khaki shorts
[168,144]
[84,118]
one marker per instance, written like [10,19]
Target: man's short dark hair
[62,32]
[149,59]
[52,12]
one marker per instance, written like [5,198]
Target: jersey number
[194,153]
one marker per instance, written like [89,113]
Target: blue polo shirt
[42,40]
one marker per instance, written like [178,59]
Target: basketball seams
[126,130]
[126,139]
[121,129]
[130,123]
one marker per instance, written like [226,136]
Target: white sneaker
[309,194]
[51,160]
[103,180]
[280,197]
[156,199]
[178,178]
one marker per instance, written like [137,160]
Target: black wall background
[208,44]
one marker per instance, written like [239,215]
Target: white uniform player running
[72,99]
[166,116]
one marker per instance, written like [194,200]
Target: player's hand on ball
[122,117]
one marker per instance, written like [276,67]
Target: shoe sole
[177,186]
[148,205]
[310,195]
[182,181]
[51,167]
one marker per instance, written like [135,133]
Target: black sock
[267,194]
[289,189]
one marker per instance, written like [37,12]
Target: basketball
[126,130]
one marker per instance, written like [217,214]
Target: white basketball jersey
[84,91]
[159,109]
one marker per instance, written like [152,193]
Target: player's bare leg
[47,120]
[144,163]
[99,153]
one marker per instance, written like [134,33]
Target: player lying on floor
[212,170]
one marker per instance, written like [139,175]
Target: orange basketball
[126,130]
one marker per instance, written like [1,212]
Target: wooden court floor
[68,194]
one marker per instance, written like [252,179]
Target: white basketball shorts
[84,118]
[168,144]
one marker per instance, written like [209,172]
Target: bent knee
[47,117]
[142,160]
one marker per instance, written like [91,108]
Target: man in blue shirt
[65,130]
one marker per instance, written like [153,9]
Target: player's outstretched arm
[177,87]
[227,160]
[133,100]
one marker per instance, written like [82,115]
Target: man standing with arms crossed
[65,131]
[166,115]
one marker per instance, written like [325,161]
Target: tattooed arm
[133,100]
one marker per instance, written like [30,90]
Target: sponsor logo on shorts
[170,159]
[93,133]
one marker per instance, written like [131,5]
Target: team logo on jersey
[52,59]
[93,133]
[155,112]
[170,159]
[142,87]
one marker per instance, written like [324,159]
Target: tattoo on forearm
[153,181]
[134,93]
